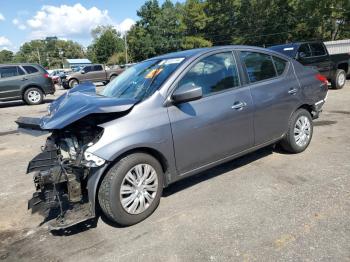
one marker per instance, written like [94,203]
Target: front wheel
[299,134]
[339,80]
[131,190]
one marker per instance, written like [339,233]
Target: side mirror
[82,72]
[302,55]
[187,93]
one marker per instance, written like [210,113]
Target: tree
[6,56]
[107,41]
[48,53]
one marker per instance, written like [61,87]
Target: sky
[25,20]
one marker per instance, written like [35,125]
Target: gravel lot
[266,206]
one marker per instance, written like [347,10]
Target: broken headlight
[93,160]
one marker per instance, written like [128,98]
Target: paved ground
[267,206]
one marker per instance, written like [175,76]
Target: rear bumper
[317,107]
[50,88]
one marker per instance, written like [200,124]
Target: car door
[86,74]
[316,56]
[275,92]
[219,124]
[96,74]
[11,80]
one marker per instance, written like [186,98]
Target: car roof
[20,64]
[290,49]
[198,51]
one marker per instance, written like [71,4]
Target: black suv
[314,54]
[28,82]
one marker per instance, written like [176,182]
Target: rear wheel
[131,190]
[33,96]
[299,134]
[339,79]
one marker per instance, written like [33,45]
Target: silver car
[163,120]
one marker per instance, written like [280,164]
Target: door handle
[23,79]
[239,105]
[292,91]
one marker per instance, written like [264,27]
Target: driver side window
[213,74]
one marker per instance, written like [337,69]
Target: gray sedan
[165,119]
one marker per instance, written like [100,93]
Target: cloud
[4,42]
[19,24]
[67,21]
[125,25]
[2,17]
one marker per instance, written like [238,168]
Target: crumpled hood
[80,102]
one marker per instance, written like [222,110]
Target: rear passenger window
[30,69]
[9,71]
[259,66]
[317,49]
[98,68]
[280,65]
[214,73]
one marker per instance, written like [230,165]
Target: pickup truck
[314,54]
[91,73]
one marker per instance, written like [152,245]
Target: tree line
[169,27]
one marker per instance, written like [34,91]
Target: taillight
[322,78]
[46,75]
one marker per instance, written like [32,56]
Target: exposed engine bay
[61,174]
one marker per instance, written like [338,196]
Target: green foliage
[107,41]
[49,54]
[117,59]
[6,56]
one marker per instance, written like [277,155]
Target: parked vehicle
[56,75]
[92,73]
[165,119]
[27,82]
[334,67]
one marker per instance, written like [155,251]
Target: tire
[33,96]
[110,196]
[73,82]
[298,121]
[339,80]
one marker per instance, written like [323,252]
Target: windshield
[141,80]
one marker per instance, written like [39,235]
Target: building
[338,47]
[75,63]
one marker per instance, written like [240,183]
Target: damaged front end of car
[66,174]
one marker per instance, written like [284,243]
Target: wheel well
[308,108]
[156,154]
[27,87]
[344,66]
[113,75]
[73,79]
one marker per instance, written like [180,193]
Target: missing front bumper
[61,195]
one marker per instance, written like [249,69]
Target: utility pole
[37,50]
[126,48]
